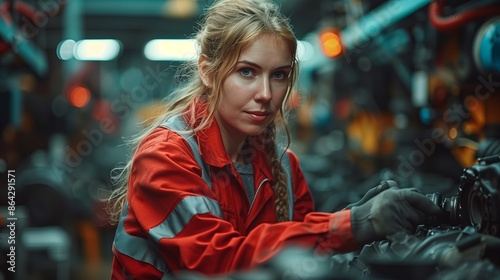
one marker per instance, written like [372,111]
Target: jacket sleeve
[171,204]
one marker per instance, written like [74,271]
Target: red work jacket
[175,221]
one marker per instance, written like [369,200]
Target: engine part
[477,202]
[487,46]
[434,254]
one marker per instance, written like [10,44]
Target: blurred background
[403,90]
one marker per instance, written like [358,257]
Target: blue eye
[247,72]
[280,75]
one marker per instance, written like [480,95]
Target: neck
[233,143]
[233,150]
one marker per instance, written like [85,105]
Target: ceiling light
[170,49]
[65,49]
[96,49]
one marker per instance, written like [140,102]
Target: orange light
[453,133]
[330,43]
[79,96]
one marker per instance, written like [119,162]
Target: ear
[202,69]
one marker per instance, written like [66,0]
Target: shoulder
[164,150]
[160,139]
[293,158]
[290,161]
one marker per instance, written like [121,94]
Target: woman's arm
[170,204]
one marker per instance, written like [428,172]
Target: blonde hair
[229,26]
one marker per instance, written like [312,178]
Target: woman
[208,189]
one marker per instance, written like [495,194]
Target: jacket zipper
[255,196]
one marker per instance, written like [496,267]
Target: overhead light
[330,43]
[305,50]
[185,49]
[96,49]
[65,49]
[181,8]
[170,49]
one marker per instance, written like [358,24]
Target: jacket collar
[212,146]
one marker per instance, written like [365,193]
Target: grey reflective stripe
[285,163]
[177,123]
[183,212]
[140,249]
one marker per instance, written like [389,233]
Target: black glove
[390,211]
[384,185]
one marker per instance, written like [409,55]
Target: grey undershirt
[246,173]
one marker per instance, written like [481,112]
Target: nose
[264,92]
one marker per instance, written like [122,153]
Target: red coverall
[173,220]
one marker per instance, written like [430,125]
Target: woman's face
[253,92]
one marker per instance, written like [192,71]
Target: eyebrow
[258,66]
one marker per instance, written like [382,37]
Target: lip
[258,116]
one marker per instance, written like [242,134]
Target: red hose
[22,8]
[456,20]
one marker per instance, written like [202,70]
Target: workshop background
[403,90]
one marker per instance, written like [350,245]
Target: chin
[252,130]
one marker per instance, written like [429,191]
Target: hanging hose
[450,22]
[23,10]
